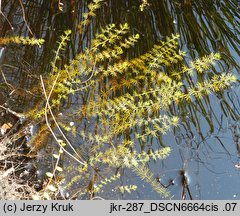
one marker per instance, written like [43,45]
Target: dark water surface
[206,146]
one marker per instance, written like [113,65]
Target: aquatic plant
[21,40]
[125,104]
[127,101]
[144,4]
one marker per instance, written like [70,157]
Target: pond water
[205,158]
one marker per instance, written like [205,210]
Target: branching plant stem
[48,107]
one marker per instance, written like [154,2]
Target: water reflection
[204,27]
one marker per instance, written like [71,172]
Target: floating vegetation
[127,103]
[123,103]
[21,40]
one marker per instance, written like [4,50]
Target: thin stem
[49,126]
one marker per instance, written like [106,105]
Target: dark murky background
[206,146]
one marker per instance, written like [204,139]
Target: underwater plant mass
[108,108]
